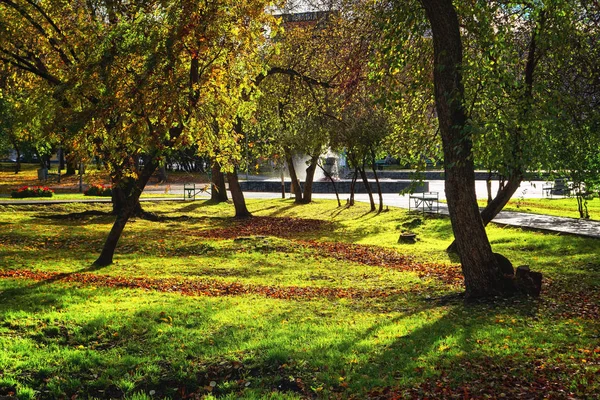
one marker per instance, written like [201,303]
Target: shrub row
[98,190]
[32,191]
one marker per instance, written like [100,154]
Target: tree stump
[407,238]
[524,281]
[527,281]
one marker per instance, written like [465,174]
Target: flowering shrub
[32,191]
[98,190]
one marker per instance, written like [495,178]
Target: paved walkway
[547,223]
[561,225]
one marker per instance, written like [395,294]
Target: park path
[559,225]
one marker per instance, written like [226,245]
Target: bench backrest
[560,184]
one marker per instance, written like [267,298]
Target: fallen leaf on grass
[201,287]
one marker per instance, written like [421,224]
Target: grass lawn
[307,301]
[560,207]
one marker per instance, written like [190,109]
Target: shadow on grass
[197,204]
[172,344]
[34,297]
[282,210]
[66,220]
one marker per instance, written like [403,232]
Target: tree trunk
[328,176]
[18,164]
[488,187]
[241,211]
[218,193]
[295,186]
[108,251]
[483,277]
[41,160]
[507,189]
[365,180]
[128,199]
[493,208]
[162,174]
[353,186]
[71,167]
[310,176]
[61,159]
[379,192]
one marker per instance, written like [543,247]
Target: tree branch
[53,24]
[39,28]
[26,65]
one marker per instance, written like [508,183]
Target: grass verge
[307,301]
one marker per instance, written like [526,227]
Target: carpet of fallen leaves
[387,258]
[268,226]
[571,300]
[362,254]
[200,287]
[504,379]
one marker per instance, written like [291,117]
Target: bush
[98,190]
[32,191]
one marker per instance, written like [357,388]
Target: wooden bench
[190,190]
[7,167]
[559,187]
[428,201]
[44,175]
[379,164]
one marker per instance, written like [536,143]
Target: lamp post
[247,157]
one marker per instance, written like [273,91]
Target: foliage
[5,126]
[98,190]
[32,191]
[118,76]
[400,67]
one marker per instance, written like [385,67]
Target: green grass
[61,338]
[81,196]
[560,207]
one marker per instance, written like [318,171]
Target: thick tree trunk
[308,182]
[71,167]
[241,211]
[507,189]
[108,251]
[365,180]
[218,193]
[295,186]
[128,198]
[483,277]
[121,199]
[61,159]
[493,208]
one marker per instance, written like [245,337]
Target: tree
[133,81]
[483,276]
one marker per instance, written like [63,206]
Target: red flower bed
[98,190]
[32,191]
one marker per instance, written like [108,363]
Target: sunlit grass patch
[558,206]
[282,314]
